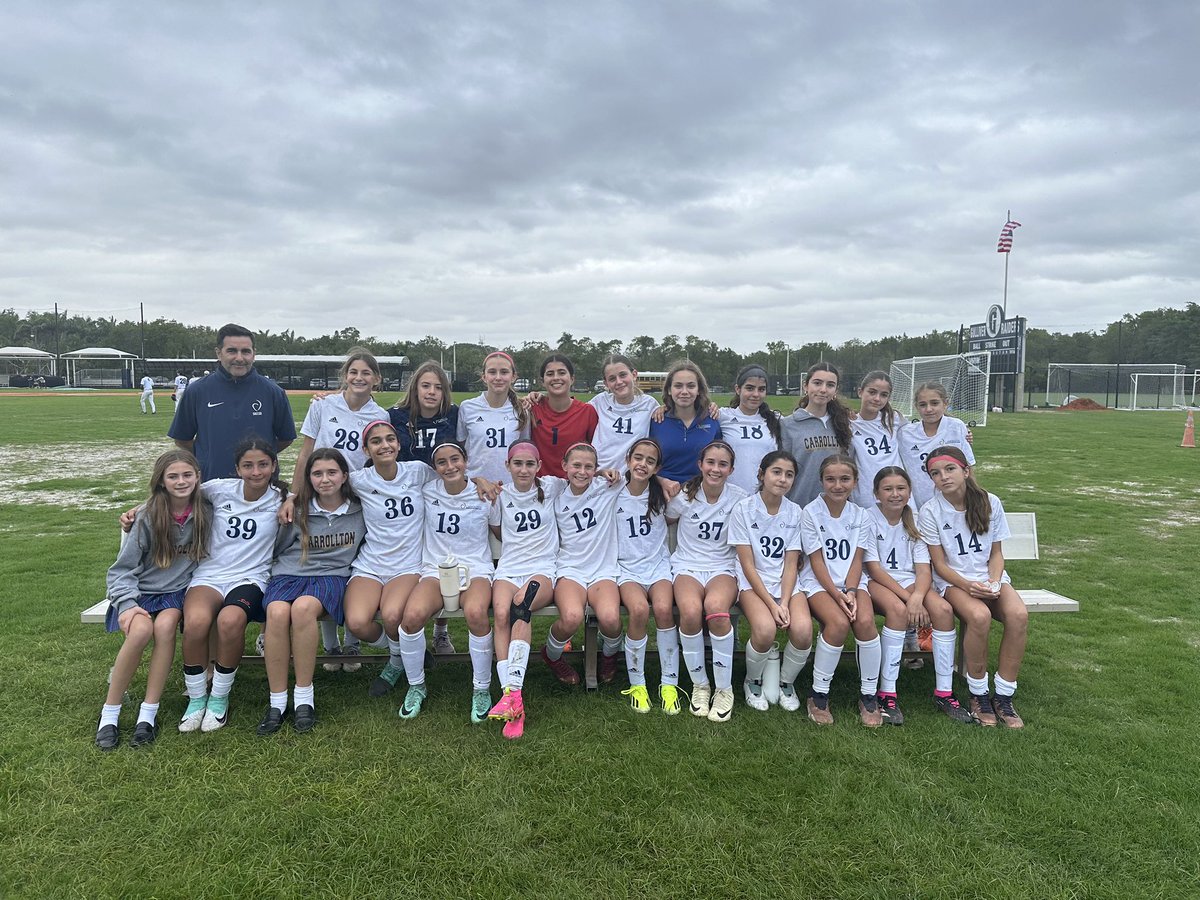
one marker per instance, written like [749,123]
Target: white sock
[756,663]
[481,660]
[693,656]
[279,700]
[667,640]
[635,660]
[1004,688]
[109,713]
[892,642]
[383,642]
[793,661]
[223,682]
[825,663]
[329,635]
[978,685]
[196,685]
[412,654]
[869,654]
[722,651]
[554,647]
[502,672]
[396,649]
[518,661]
[943,660]
[610,645]
[147,712]
[302,696]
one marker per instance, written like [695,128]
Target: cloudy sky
[742,171]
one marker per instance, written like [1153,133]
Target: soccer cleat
[890,709]
[953,709]
[304,718]
[788,698]
[639,698]
[481,703]
[755,699]
[216,714]
[925,639]
[385,680]
[868,711]
[351,652]
[270,723]
[721,709]
[1006,713]
[980,707]
[441,643]
[701,700]
[669,695]
[194,714]
[260,645]
[333,666]
[607,670]
[107,737]
[561,668]
[818,708]
[413,700]
[506,707]
[514,727]
[144,734]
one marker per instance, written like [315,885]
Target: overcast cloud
[740,171]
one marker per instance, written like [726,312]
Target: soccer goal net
[965,378]
[1155,390]
[1127,386]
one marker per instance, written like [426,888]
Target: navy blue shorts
[329,589]
[151,603]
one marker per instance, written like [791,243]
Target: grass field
[1097,797]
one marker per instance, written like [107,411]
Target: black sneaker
[107,738]
[271,722]
[890,710]
[304,718]
[385,680]
[953,709]
[144,733]
[1005,712]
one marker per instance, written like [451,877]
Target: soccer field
[1096,797]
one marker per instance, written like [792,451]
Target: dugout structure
[1119,386]
[24,363]
[964,376]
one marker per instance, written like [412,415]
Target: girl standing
[705,578]
[750,425]
[686,427]
[765,531]
[936,429]
[492,422]
[146,586]
[623,412]
[308,582]
[819,427]
[900,586]
[558,419]
[964,526]
[875,441]
[835,534]
[228,586]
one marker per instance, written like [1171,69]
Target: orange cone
[1189,432]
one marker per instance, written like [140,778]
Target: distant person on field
[196,376]
[236,403]
[147,384]
[181,384]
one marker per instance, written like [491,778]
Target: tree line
[1154,336]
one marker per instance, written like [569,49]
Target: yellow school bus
[651,381]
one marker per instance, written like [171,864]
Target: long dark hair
[839,415]
[978,506]
[305,492]
[656,503]
[754,370]
[254,442]
[701,403]
[887,415]
[770,459]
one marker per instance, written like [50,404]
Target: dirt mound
[1084,403]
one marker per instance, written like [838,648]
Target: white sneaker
[333,666]
[755,698]
[216,714]
[441,643]
[788,698]
[722,706]
[194,714]
[351,666]
[701,700]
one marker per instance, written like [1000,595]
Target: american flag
[1006,236]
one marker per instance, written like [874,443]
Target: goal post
[965,377]
[1157,390]
[1113,386]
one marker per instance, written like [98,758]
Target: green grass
[1097,797]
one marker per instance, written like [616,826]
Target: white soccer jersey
[873,448]
[487,433]
[768,536]
[587,545]
[702,538]
[332,423]
[394,513]
[528,530]
[456,525]
[243,534]
[751,440]
[967,554]
[641,539]
[837,539]
[915,447]
[893,549]
[619,426]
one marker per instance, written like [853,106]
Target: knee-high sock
[481,661]
[412,653]
[722,651]
[667,640]
[502,672]
[329,635]
[693,656]
[868,653]
[892,645]
[756,663]
[610,645]
[396,648]
[825,662]
[554,647]
[635,660]
[223,681]
[518,661]
[793,661]
[943,660]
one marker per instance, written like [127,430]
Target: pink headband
[528,446]
[947,458]
[505,355]
[576,446]
[371,425]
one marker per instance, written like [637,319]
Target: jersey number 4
[972,546]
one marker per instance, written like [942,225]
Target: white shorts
[523,578]
[224,586]
[704,576]
[774,588]
[940,586]
[646,573]
[356,572]
[587,579]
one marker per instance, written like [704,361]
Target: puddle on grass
[116,470]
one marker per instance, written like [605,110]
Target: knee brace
[524,609]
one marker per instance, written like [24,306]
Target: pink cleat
[508,705]
[515,726]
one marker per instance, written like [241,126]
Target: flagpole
[1004,304]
